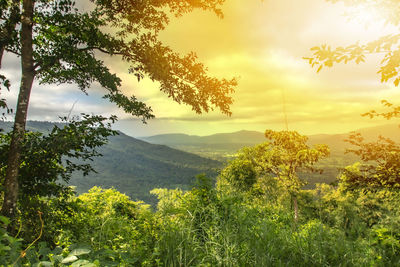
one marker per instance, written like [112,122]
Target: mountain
[135,167]
[241,137]
[229,141]
[224,146]
[35,126]
[220,146]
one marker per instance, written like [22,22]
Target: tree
[380,166]
[381,158]
[240,173]
[58,44]
[48,161]
[284,156]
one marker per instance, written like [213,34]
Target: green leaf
[4,220]
[83,263]
[57,258]
[69,259]
[79,251]
[4,248]
[45,264]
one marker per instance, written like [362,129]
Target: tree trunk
[1,53]
[9,27]
[28,75]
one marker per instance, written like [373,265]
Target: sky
[263,44]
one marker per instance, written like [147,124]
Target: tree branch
[101,50]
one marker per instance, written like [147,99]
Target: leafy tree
[380,159]
[58,44]
[381,163]
[380,166]
[240,173]
[48,161]
[284,156]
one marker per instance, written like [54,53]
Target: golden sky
[262,43]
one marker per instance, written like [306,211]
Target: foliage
[105,220]
[283,157]
[394,111]
[58,43]
[235,230]
[209,226]
[132,166]
[389,46]
[48,163]
[240,173]
[9,245]
[251,225]
[49,159]
[244,221]
[380,159]
[67,42]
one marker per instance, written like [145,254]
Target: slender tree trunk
[7,30]
[1,53]
[28,75]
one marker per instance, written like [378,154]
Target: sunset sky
[262,43]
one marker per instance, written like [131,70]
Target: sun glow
[365,15]
[367,18]
[263,45]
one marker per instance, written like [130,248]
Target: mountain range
[223,147]
[230,142]
[135,166]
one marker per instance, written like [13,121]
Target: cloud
[261,42]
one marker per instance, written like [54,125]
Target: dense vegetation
[257,214]
[134,167]
[245,219]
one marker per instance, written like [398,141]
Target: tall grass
[231,231]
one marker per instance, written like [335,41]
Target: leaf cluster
[284,156]
[381,163]
[388,45]
[69,46]
[49,160]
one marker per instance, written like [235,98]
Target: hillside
[220,146]
[253,137]
[135,167]
[242,137]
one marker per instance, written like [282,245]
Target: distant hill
[224,146]
[239,139]
[135,167]
[242,137]
[220,146]
[39,126]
